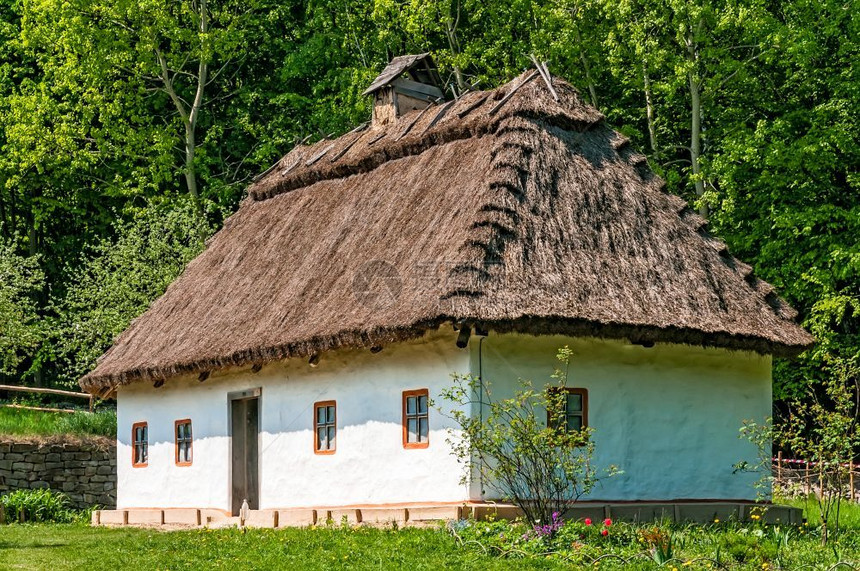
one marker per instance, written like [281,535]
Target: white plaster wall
[370,465]
[668,416]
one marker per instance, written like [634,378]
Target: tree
[118,279]
[20,329]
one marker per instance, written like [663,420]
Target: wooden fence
[794,477]
[39,390]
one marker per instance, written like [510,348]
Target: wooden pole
[851,479]
[44,391]
[820,479]
[807,478]
[779,468]
[39,408]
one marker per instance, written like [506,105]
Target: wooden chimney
[407,83]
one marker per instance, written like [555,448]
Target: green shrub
[748,546]
[40,505]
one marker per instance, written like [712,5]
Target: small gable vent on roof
[407,83]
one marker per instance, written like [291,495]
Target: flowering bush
[732,546]
[539,466]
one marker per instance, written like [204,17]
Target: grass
[60,546]
[38,423]
[500,545]
[727,546]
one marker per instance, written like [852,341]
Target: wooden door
[245,430]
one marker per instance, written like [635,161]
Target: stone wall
[83,469]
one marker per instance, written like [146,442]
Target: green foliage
[99,423]
[41,505]
[119,278]
[38,423]
[655,545]
[541,467]
[822,430]
[747,547]
[20,280]
[750,110]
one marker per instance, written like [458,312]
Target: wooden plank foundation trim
[423,514]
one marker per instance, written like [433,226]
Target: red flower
[607,522]
[604,532]
[588,521]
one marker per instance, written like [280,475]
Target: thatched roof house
[513,214]
[306,343]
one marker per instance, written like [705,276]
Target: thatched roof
[511,214]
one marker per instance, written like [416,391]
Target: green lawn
[80,547]
[728,546]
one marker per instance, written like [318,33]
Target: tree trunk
[696,123]
[190,174]
[586,68]
[451,25]
[5,231]
[32,250]
[649,108]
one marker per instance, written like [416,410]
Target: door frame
[232,396]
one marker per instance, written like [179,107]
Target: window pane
[331,437]
[412,430]
[410,405]
[574,403]
[188,431]
[330,414]
[574,422]
[321,415]
[422,404]
[321,438]
[424,429]
[145,429]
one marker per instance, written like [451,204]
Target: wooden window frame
[134,428]
[176,442]
[571,391]
[413,445]
[316,425]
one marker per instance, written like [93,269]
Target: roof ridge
[472,115]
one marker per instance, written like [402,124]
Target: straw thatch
[519,214]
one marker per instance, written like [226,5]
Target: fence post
[779,468]
[821,475]
[91,403]
[807,476]
[851,479]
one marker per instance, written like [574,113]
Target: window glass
[140,444]
[183,442]
[416,424]
[325,417]
[575,406]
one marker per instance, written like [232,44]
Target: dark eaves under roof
[504,209]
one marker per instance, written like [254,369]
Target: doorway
[244,439]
